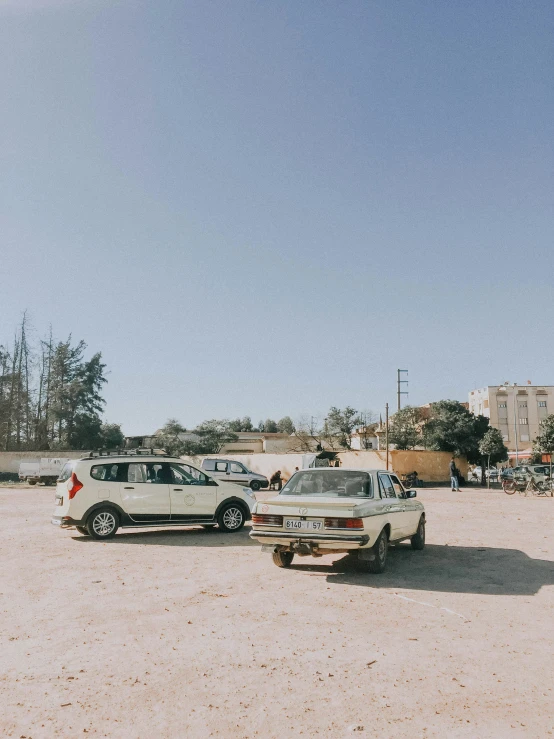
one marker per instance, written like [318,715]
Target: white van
[232,471]
[99,493]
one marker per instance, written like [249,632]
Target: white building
[514,409]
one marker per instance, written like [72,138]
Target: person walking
[455,485]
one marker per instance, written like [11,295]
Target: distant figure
[275,481]
[454,475]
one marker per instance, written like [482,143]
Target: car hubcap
[103,524]
[232,518]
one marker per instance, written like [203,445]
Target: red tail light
[344,523]
[73,486]
[265,519]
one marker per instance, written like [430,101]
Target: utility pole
[399,383]
[387,432]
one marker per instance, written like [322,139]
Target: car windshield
[330,484]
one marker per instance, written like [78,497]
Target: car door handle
[128,488]
[177,490]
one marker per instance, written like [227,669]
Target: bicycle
[528,485]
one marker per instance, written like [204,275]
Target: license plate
[294,524]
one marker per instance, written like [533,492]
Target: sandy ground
[186,633]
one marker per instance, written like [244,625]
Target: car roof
[130,458]
[348,469]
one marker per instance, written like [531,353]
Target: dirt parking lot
[187,633]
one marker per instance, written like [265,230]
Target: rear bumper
[65,522]
[361,539]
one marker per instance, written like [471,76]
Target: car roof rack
[140,452]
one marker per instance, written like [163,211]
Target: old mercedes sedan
[333,510]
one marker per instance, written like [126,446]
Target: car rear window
[67,469]
[330,484]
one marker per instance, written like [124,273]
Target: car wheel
[82,530]
[255,485]
[418,539]
[283,559]
[231,518]
[103,523]
[379,551]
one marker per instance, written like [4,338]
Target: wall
[430,466]
[9,461]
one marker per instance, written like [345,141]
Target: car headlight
[248,491]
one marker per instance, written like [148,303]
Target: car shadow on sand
[443,568]
[178,537]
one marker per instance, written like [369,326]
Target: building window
[542,403]
[502,405]
[523,405]
[523,421]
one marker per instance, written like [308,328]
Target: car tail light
[264,519]
[344,523]
[73,486]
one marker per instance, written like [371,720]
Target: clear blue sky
[265,208]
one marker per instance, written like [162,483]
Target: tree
[544,442]
[213,435]
[168,437]
[112,436]
[286,425]
[405,428]
[341,423]
[241,424]
[269,426]
[492,446]
[452,428]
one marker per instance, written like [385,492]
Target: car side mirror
[411,494]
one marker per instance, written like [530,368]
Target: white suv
[99,493]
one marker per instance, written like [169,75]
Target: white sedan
[333,510]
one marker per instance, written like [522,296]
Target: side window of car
[236,467]
[221,466]
[136,473]
[158,473]
[386,487]
[209,464]
[398,489]
[184,474]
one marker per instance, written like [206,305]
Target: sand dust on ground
[193,633]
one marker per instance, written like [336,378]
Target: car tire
[255,485]
[379,551]
[103,523]
[418,539]
[283,559]
[82,530]
[231,518]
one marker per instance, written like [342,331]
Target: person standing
[455,485]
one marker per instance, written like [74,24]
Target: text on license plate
[296,525]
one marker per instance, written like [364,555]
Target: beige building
[514,409]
